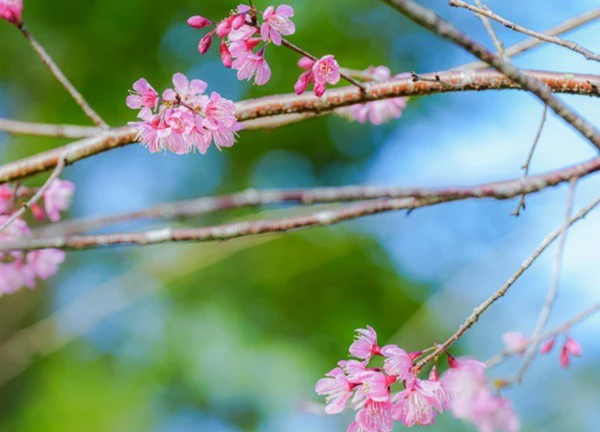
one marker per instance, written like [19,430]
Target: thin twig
[36,197]
[48,130]
[553,291]
[500,357]
[527,164]
[486,12]
[60,76]
[204,205]
[444,29]
[479,310]
[488,26]
[528,44]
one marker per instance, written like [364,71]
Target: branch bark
[321,218]
[444,29]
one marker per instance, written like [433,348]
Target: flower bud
[11,11]
[198,22]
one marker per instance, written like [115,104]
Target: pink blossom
[42,264]
[376,112]
[11,11]
[205,43]
[277,23]
[302,83]
[414,405]
[365,346]
[198,22]
[374,386]
[515,342]
[57,198]
[7,197]
[353,369]
[144,97]
[226,56]
[189,92]
[11,278]
[336,389]
[251,64]
[242,41]
[374,417]
[570,348]
[547,346]
[326,70]
[398,363]
[492,413]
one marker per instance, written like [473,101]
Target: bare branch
[199,206]
[252,228]
[527,164]
[479,310]
[488,26]
[552,292]
[47,60]
[48,130]
[431,21]
[486,12]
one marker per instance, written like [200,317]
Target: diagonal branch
[436,24]
[479,310]
[60,76]
[487,13]
[488,26]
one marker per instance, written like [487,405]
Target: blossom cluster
[380,111]
[394,392]
[244,40]
[20,268]
[518,343]
[184,119]
[11,10]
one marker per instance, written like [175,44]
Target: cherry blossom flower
[337,390]
[144,97]
[365,346]
[18,268]
[570,348]
[11,11]
[374,417]
[188,119]
[547,346]
[242,41]
[374,386]
[277,23]
[198,22]
[414,406]
[250,65]
[7,195]
[515,342]
[57,198]
[353,369]
[376,112]
[320,73]
[398,363]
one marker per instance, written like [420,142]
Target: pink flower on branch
[376,112]
[143,97]
[337,390]
[365,346]
[250,65]
[570,348]
[57,198]
[277,23]
[11,11]
[515,342]
[186,119]
[321,72]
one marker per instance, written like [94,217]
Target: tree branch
[450,81]
[479,310]
[321,218]
[487,12]
[434,23]
[498,190]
